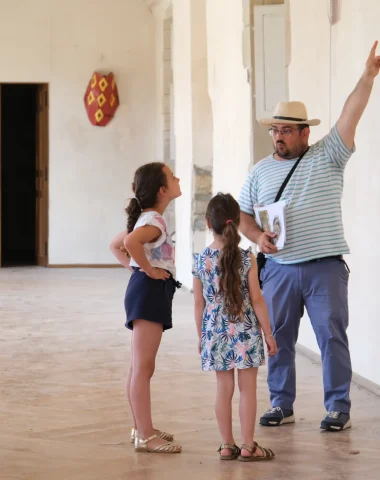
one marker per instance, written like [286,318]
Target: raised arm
[358,99]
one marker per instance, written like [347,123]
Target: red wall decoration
[101,99]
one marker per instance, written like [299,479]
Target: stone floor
[63,415]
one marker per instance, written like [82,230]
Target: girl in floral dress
[230,313]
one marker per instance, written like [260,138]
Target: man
[309,271]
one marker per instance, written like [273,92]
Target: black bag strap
[289,176]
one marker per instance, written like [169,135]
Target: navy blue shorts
[149,299]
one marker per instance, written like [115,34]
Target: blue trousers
[321,287]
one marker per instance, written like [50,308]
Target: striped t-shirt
[314,226]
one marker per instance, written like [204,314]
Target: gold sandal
[142,446]
[235,451]
[165,436]
[268,453]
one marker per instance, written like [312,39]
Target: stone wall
[202,193]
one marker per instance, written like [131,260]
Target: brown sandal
[235,451]
[268,453]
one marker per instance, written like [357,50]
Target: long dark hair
[148,180]
[223,215]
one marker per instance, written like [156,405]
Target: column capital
[158,6]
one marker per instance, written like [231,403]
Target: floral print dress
[226,345]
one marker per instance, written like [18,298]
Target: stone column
[201,124]
[192,130]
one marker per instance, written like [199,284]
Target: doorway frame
[41,173]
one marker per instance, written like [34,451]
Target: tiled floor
[63,416]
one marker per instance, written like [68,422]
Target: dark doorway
[20,144]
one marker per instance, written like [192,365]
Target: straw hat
[290,112]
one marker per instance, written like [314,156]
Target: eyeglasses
[285,132]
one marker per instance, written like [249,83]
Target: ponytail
[230,263]
[223,216]
[133,211]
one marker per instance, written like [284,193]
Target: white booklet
[271,218]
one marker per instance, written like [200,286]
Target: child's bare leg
[146,340]
[128,386]
[223,406]
[247,381]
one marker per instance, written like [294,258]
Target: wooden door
[1,254]
[42,175]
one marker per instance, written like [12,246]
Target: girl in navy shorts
[149,296]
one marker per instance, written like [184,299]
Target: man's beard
[286,153]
